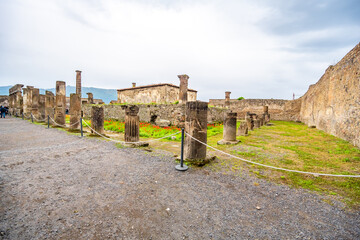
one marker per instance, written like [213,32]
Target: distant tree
[240,98]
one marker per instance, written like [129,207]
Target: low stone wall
[285,110]
[150,113]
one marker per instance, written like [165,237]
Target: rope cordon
[272,167]
[122,142]
[60,125]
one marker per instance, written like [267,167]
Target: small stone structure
[196,126]
[243,129]
[183,90]
[132,127]
[49,104]
[35,103]
[266,114]
[90,98]
[250,121]
[97,120]
[229,133]
[78,82]
[27,100]
[15,100]
[75,111]
[227,99]
[156,93]
[60,105]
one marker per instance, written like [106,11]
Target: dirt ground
[58,186]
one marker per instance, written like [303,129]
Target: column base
[224,142]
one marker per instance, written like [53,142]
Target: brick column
[49,104]
[35,103]
[183,88]
[78,83]
[42,107]
[90,98]
[75,111]
[60,102]
[227,99]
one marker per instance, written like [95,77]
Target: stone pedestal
[49,104]
[183,88]
[227,99]
[97,120]
[42,107]
[78,83]
[132,127]
[229,133]
[90,98]
[35,104]
[60,102]
[75,111]
[243,129]
[196,126]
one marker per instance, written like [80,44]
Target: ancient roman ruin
[229,132]
[60,102]
[97,120]
[75,111]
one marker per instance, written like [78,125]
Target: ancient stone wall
[333,103]
[286,110]
[159,93]
[4,100]
[150,113]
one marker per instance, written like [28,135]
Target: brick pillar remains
[266,114]
[75,110]
[35,103]
[90,98]
[132,124]
[227,99]
[78,82]
[49,104]
[183,88]
[27,100]
[256,123]
[42,107]
[97,119]
[243,129]
[60,102]
[250,121]
[196,126]
[229,133]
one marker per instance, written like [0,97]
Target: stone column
[42,107]
[15,100]
[249,121]
[97,119]
[18,103]
[196,126]
[27,100]
[78,82]
[243,129]
[227,99]
[266,114]
[49,104]
[133,84]
[229,133]
[35,103]
[75,110]
[261,118]
[266,109]
[256,123]
[60,102]
[183,88]
[90,98]
[132,124]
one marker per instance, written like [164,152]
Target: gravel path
[57,186]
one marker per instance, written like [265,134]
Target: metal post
[182,166]
[48,121]
[32,119]
[81,127]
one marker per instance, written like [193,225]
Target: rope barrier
[122,142]
[38,119]
[60,125]
[272,167]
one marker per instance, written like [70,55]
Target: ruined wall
[149,113]
[4,100]
[155,94]
[286,110]
[333,103]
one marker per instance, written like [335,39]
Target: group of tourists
[3,111]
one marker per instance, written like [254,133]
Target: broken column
[227,99]
[78,82]
[196,126]
[15,100]
[266,114]
[42,115]
[90,98]
[250,121]
[60,102]
[183,88]
[229,133]
[133,84]
[75,111]
[27,100]
[35,104]
[49,104]
[132,127]
[256,123]
[243,129]
[97,120]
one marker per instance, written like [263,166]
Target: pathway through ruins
[58,186]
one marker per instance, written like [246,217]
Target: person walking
[3,110]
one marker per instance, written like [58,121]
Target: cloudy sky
[255,49]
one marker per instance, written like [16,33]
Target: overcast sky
[255,49]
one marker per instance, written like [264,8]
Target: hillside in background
[99,93]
